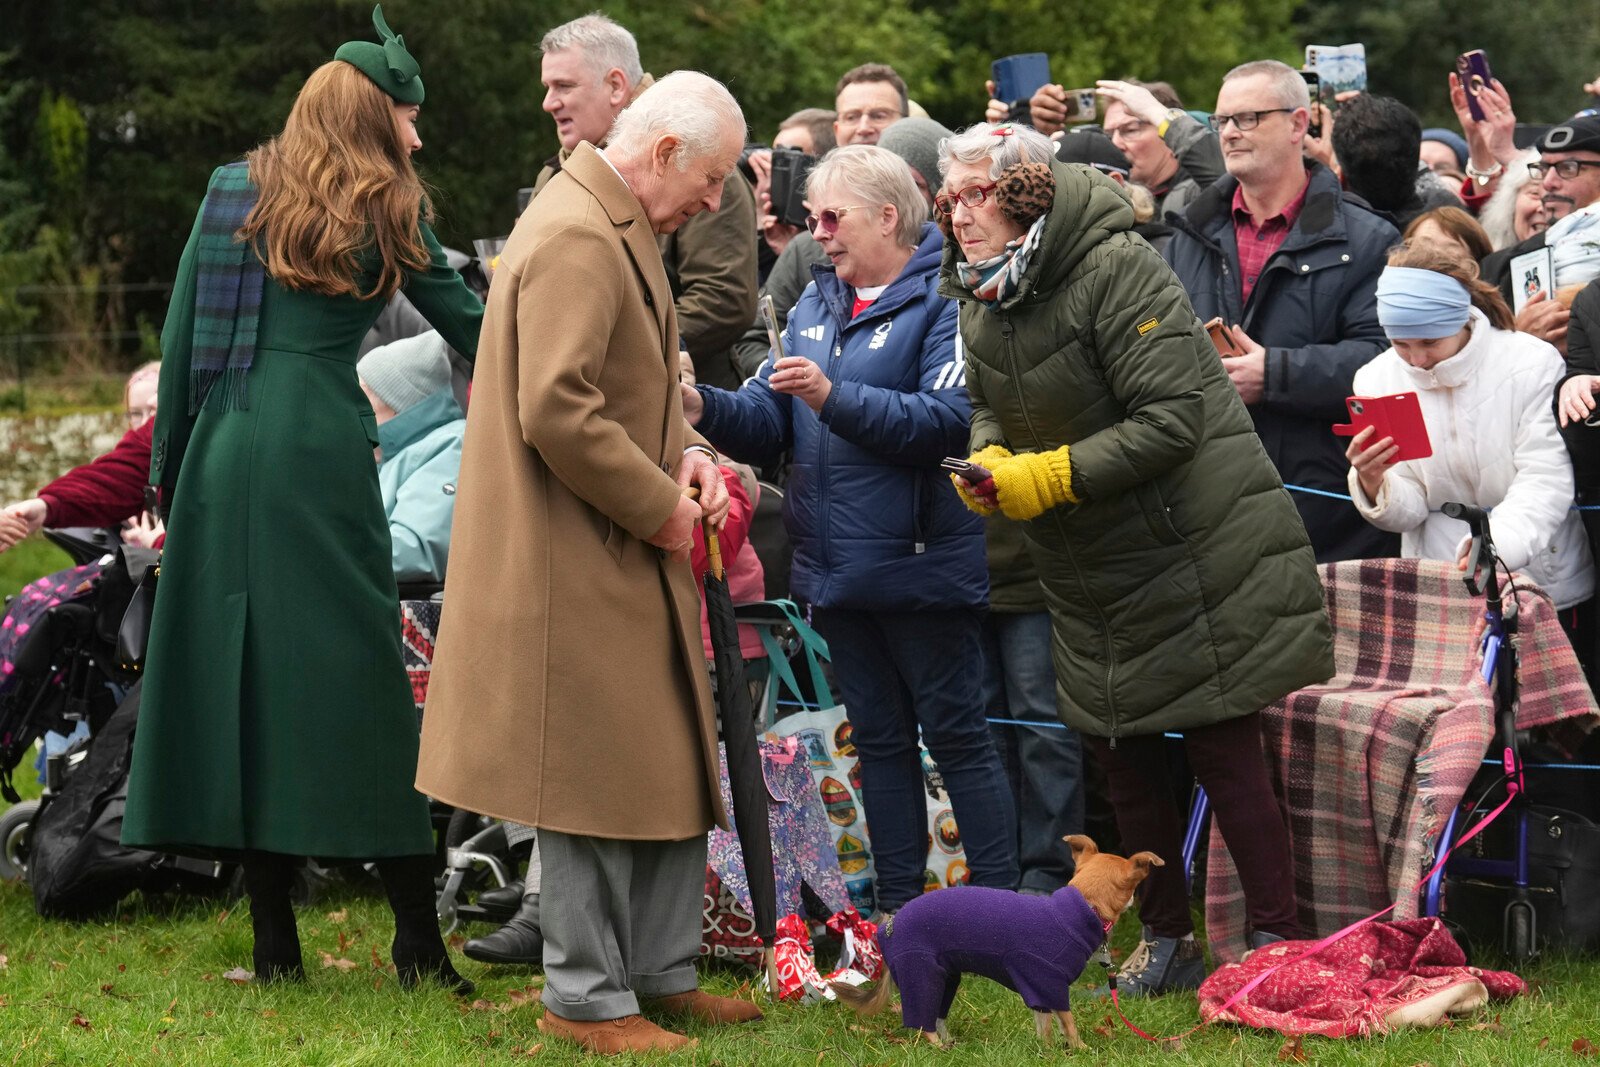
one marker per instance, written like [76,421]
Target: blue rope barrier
[1341,496]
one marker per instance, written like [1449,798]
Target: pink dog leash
[1513,787]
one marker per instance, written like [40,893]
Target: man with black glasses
[1279,252]
[1568,174]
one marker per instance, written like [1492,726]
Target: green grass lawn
[150,986]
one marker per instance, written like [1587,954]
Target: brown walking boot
[702,1006]
[609,1037]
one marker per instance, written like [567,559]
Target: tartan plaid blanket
[227,299]
[1369,765]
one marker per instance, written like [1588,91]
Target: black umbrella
[745,781]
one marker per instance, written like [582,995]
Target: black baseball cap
[1090,146]
[1581,134]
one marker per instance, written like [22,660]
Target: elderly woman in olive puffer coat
[1180,581]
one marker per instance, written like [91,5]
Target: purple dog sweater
[1036,946]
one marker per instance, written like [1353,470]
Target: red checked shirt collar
[1258,242]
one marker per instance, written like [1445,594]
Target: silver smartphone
[769,315]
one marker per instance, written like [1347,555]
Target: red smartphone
[1398,416]
[1472,71]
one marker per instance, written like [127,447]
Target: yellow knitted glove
[985,457]
[1031,484]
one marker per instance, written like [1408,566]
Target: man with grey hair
[1278,251]
[591,72]
[572,486]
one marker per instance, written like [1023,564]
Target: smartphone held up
[1472,71]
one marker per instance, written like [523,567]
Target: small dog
[1035,946]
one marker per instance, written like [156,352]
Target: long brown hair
[1455,223]
[1453,262]
[335,182]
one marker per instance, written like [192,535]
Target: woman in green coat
[1180,581]
[277,720]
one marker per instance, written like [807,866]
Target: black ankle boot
[519,941]
[268,877]
[418,950]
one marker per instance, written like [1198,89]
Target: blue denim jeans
[902,673]
[1045,763]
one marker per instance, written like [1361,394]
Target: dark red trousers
[1151,812]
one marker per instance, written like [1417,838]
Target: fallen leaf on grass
[4,1002]
[222,916]
[3,961]
[457,941]
[525,994]
[121,968]
[339,916]
[57,965]
[534,1049]
[377,964]
[1490,1027]
[174,1004]
[1292,1050]
[481,1005]
[79,1020]
[269,1014]
[329,960]
[1584,1047]
[239,975]
[1102,1030]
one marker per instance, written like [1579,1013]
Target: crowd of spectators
[935,304]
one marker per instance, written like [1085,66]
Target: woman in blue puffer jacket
[870,395]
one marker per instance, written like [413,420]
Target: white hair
[1023,144]
[1288,87]
[693,107]
[604,45]
[877,176]
[1498,217]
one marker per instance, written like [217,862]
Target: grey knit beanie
[917,142]
[404,373]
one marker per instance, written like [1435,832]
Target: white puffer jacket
[1489,415]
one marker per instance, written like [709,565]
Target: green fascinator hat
[389,65]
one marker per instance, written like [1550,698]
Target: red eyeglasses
[972,196]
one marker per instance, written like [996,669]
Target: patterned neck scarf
[227,295]
[994,280]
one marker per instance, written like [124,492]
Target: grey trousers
[621,920]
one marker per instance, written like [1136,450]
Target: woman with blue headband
[1485,394]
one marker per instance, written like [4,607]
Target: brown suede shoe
[609,1037]
[700,1005]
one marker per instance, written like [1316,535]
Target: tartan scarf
[993,280]
[227,305]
